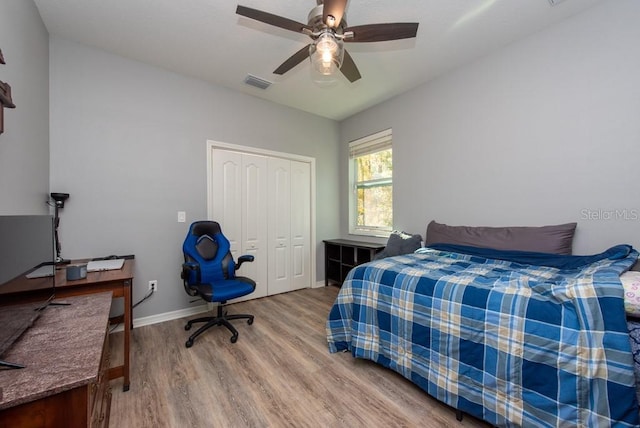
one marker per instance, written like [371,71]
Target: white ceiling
[205,39]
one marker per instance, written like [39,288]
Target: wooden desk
[119,282]
[64,382]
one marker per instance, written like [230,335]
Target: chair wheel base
[222,319]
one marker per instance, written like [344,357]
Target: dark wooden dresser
[66,357]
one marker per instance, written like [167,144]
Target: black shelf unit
[342,255]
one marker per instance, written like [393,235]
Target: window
[371,175]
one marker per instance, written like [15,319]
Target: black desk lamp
[59,199]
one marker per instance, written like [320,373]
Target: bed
[516,338]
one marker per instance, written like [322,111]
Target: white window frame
[366,145]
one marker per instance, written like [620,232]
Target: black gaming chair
[208,271]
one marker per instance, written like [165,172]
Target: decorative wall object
[5,97]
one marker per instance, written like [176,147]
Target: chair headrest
[205,228]
[207,247]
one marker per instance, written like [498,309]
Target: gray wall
[128,142]
[544,131]
[24,145]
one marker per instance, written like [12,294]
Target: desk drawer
[101,390]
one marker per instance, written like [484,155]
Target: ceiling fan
[327,28]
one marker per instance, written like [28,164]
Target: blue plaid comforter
[513,343]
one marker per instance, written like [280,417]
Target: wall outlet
[153,285]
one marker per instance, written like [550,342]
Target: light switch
[182,216]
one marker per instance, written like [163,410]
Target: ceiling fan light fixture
[327,27]
[326,55]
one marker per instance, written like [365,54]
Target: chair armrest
[188,269]
[242,259]
[190,275]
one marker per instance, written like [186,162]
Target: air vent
[257,82]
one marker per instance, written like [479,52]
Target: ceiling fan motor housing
[314,20]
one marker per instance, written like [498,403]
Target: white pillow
[631,283]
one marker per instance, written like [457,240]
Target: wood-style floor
[279,373]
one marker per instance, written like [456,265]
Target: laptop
[98,265]
[41,272]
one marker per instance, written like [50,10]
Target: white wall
[24,145]
[128,142]
[545,131]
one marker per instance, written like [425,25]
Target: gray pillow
[555,239]
[400,243]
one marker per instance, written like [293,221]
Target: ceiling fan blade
[293,60]
[268,18]
[349,68]
[335,9]
[382,32]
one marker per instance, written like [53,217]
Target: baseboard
[318,284]
[166,316]
[180,313]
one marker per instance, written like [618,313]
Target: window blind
[370,144]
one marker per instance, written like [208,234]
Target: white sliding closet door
[238,188]
[289,225]
[226,182]
[300,225]
[264,204]
[254,222]
[279,218]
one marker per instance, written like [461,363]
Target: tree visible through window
[372,171]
